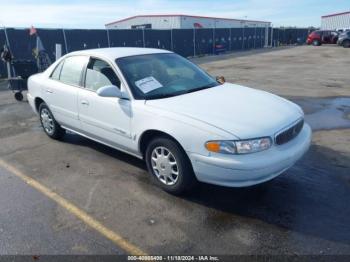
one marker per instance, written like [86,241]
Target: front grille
[290,133]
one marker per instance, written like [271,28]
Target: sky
[96,13]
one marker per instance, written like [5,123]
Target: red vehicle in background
[320,37]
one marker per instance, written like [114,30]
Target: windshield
[156,76]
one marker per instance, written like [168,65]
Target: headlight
[239,146]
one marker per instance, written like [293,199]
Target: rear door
[106,119]
[61,91]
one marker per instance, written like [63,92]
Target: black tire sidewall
[19,96]
[186,178]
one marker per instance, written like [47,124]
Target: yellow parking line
[73,209]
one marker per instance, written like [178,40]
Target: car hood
[241,111]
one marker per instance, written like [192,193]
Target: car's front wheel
[49,124]
[170,166]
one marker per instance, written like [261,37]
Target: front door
[106,119]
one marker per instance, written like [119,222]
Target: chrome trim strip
[104,143]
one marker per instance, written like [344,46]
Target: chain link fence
[186,42]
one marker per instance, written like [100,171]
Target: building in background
[182,22]
[340,21]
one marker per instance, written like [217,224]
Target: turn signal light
[213,146]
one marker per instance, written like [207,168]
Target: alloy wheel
[164,165]
[47,121]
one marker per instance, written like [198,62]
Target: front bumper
[250,169]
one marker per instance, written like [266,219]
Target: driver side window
[100,74]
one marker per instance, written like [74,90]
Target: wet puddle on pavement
[326,113]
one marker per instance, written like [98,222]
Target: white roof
[182,15]
[117,52]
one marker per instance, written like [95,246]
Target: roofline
[193,16]
[102,51]
[336,14]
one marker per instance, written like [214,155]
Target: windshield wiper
[200,88]
[162,95]
[159,96]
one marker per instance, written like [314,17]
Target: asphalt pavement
[306,210]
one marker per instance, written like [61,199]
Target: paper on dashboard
[148,84]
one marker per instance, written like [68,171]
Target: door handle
[49,91]
[84,102]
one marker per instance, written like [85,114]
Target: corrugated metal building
[340,21]
[182,22]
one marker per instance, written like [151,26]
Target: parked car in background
[320,37]
[342,30]
[344,39]
[160,107]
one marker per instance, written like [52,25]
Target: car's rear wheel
[346,44]
[316,43]
[49,124]
[170,166]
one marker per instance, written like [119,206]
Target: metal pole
[243,37]
[65,40]
[7,38]
[194,41]
[8,65]
[266,37]
[143,37]
[109,42]
[255,36]
[214,40]
[58,51]
[271,36]
[230,39]
[171,40]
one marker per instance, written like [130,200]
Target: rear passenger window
[56,73]
[99,74]
[72,69]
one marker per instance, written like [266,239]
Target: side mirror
[110,91]
[220,79]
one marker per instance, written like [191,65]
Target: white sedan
[160,107]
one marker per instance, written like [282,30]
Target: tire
[18,96]
[316,43]
[346,44]
[163,171]
[49,124]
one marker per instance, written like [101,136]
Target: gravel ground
[294,71]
